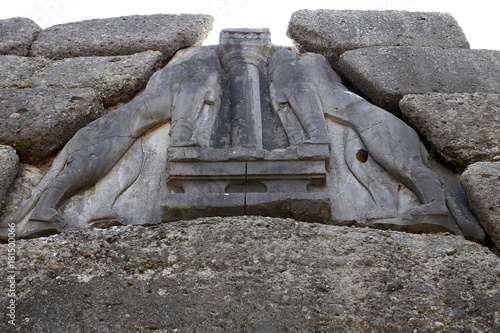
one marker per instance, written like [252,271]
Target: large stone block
[17,34]
[116,78]
[254,274]
[9,165]
[481,182]
[386,74]
[37,122]
[16,72]
[122,36]
[332,32]
[465,128]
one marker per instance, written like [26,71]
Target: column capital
[245,46]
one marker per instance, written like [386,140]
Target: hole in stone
[175,188]
[236,187]
[362,155]
[256,187]
[316,186]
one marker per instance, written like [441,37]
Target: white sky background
[479,19]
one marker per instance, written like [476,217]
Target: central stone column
[245,54]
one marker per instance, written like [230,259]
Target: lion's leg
[403,159]
[309,110]
[60,188]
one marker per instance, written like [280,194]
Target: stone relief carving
[295,95]
[246,128]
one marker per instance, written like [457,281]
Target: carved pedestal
[276,183]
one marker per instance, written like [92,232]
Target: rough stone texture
[117,78]
[481,182]
[332,32]
[16,72]
[9,165]
[254,274]
[17,34]
[386,74]
[465,128]
[28,176]
[122,36]
[37,122]
[115,172]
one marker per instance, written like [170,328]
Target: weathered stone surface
[28,176]
[254,274]
[465,128]
[9,165]
[16,72]
[332,32]
[17,34]
[122,36]
[37,122]
[386,74]
[222,159]
[117,78]
[481,182]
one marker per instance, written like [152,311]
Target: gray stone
[245,54]
[17,34]
[253,274]
[28,177]
[457,202]
[192,77]
[294,95]
[37,122]
[9,165]
[332,32]
[246,128]
[256,180]
[122,36]
[464,128]
[117,78]
[481,182]
[386,74]
[309,78]
[16,72]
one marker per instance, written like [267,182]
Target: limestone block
[9,165]
[332,32]
[260,274]
[481,182]
[122,36]
[116,78]
[16,72]
[386,74]
[17,34]
[37,122]
[465,128]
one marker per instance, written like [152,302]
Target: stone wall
[55,81]
[254,273]
[419,66]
